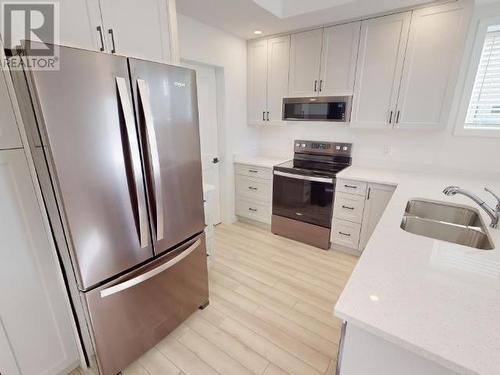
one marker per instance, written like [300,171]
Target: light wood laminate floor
[270,312]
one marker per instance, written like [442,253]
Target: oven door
[305,198]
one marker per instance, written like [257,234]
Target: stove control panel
[323,148]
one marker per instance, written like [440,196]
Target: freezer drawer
[132,314]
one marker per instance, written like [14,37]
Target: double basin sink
[446,222]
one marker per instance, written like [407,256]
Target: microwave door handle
[128,115]
[150,274]
[306,178]
[154,155]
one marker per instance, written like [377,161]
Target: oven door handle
[307,178]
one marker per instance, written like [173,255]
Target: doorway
[209,134]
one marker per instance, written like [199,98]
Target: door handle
[150,274]
[153,152]
[128,115]
[215,160]
[110,31]
[101,37]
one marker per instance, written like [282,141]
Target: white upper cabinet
[338,60]
[9,134]
[379,68]
[137,29]
[34,312]
[305,61]
[80,20]
[257,82]
[429,74]
[277,76]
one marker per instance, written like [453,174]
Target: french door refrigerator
[116,147]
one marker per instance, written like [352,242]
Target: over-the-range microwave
[318,108]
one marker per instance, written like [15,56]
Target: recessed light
[257,32]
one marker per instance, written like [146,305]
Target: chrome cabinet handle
[263,115]
[153,152]
[347,207]
[267,116]
[390,117]
[397,117]
[315,85]
[110,31]
[369,193]
[150,274]
[128,115]
[101,37]
[320,85]
[345,234]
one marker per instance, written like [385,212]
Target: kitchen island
[416,305]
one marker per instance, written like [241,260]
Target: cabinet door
[377,198]
[137,29]
[257,82]
[277,76]
[379,68]
[9,135]
[430,68]
[305,61]
[33,307]
[79,22]
[338,60]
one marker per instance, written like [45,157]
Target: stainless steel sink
[446,222]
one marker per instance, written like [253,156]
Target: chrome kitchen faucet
[493,213]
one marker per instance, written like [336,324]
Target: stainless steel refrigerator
[116,147]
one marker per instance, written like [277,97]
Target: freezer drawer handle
[150,274]
[301,177]
[153,152]
[128,115]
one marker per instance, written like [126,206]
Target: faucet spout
[493,213]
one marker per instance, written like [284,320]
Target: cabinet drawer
[352,187]
[257,211]
[345,233]
[252,171]
[253,188]
[349,207]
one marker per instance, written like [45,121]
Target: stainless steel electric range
[304,190]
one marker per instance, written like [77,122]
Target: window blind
[484,107]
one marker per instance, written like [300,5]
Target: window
[484,107]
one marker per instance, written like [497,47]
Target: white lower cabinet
[254,186]
[358,207]
[36,333]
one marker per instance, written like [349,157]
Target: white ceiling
[242,17]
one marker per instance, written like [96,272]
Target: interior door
[338,62]
[167,112]
[378,73]
[137,28]
[209,135]
[257,82]
[85,113]
[305,61]
[277,76]
[430,66]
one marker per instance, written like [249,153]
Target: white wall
[205,44]
[421,150]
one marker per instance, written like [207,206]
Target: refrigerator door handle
[153,152]
[128,115]
[150,274]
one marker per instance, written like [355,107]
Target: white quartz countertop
[434,298]
[260,160]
